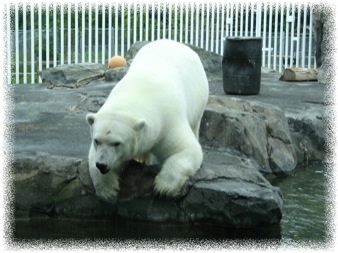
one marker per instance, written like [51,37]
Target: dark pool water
[305,220]
[306,204]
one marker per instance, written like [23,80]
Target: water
[305,204]
[304,219]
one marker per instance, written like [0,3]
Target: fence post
[298,36]
[217,28]
[191,23]
[231,19]
[292,32]
[54,36]
[212,26]
[147,22]
[61,34]
[276,37]
[24,35]
[76,33]
[17,54]
[69,56]
[158,20]
[164,19]
[207,28]
[246,19]
[122,29]
[83,37]
[197,23]
[153,21]
[90,32]
[103,35]
[222,27]
[264,35]
[304,36]
[186,28]
[270,35]
[281,33]
[288,21]
[310,42]
[236,18]
[40,39]
[175,21]
[116,27]
[241,19]
[202,26]
[32,45]
[9,45]
[96,48]
[141,22]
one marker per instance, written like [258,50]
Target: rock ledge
[230,193]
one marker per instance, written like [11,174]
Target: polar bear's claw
[169,184]
[107,192]
[108,196]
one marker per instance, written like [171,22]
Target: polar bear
[156,109]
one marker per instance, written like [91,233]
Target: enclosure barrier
[44,35]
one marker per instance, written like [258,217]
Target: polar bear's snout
[113,143]
[103,168]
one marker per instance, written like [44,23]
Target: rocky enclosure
[243,137]
[229,192]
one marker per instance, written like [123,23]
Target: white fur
[155,109]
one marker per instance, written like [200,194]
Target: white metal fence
[44,35]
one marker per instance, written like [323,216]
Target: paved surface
[53,121]
[289,96]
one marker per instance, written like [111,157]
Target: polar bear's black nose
[102,167]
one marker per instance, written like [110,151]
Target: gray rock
[212,62]
[225,191]
[238,204]
[256,129]
[308,131]
[219,193]
[41,180]
[115,75]
[305,107]
[323,22]
[73,75]
[324,74]
[134,48]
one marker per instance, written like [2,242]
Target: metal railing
[44,35]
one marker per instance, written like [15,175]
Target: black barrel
[242,60]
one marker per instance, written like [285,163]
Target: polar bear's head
[115,140]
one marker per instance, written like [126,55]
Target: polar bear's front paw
[107,194]
[106,186]
[169,184]
[145,159]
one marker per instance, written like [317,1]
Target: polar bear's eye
[115,144]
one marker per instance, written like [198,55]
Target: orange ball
[117,62]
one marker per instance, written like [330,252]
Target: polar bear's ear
[140,125]
[90,118]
